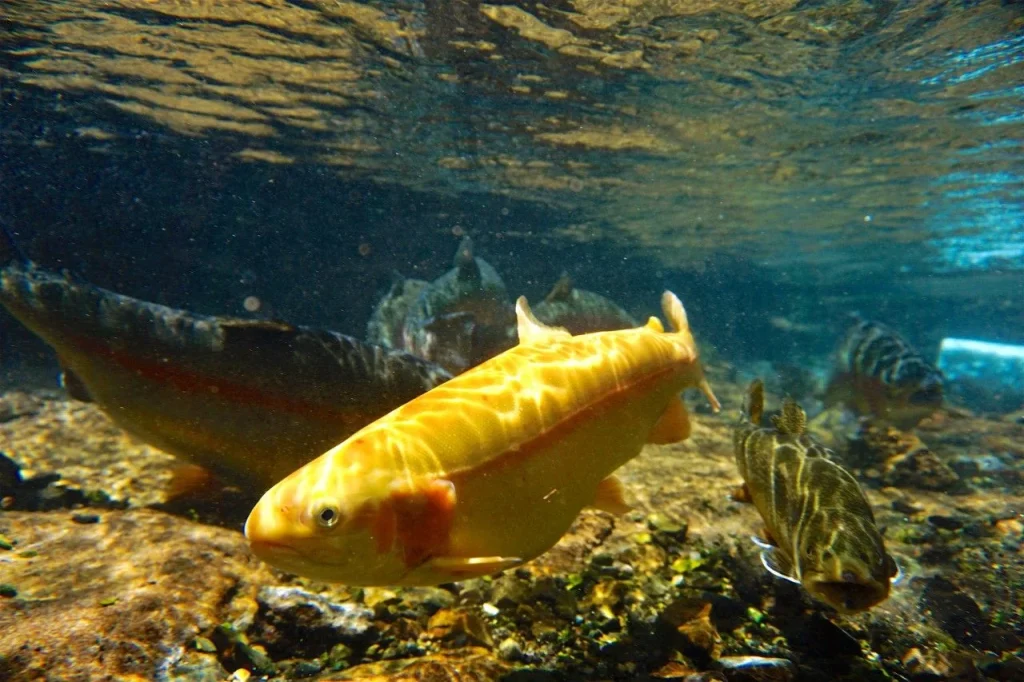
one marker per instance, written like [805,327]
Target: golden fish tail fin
[675,313]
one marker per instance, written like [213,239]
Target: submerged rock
[125,597]
[293,621]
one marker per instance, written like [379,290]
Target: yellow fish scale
[485,471]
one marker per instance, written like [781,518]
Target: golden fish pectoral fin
[532,330]
[421,516]
[609,497]
[464,568]
[672,426]
[778,563]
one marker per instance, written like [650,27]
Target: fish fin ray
[532,330]
[776,563]
[609,497]
[672,426]
[73,384]
[464,568]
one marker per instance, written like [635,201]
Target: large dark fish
[463,317]
[388,318]
[878,373]
[249,400]
[580,311]
[820,529]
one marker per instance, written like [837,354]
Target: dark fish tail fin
[755,401]
[10,253]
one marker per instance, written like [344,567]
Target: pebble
[85,519]
[756,669]
[510,650]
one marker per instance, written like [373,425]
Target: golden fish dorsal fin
[793,419]
[532,330]
[654,324]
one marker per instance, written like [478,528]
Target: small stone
[5,542]
[261,663]
[945,522]
[108,601]
[489,609]
[339,657]
[933,664]
[458,627]
[692,633]
[204,644]
[510,650]
[306,669]
[920,468]
[85,519]
[669,526]
[905,507]
[8,591]
[954,611]
[290,615]
[756,669]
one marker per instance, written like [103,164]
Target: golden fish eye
[326,515]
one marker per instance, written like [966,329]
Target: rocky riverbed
[101,577]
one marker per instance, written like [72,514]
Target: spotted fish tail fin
[678,321]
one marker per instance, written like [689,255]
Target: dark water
[797,160]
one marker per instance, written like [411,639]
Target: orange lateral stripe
[188,382]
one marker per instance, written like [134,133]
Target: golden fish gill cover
[488,470]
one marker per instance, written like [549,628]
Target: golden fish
[248,400]
[821,531]
[878,373]
[488,470]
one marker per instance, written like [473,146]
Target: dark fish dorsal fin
[755,401]
[465,262]
[792,421]
[397,283]
[562,289]
[242,331]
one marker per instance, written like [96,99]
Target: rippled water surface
[842,144]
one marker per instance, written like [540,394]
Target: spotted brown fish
[249,400]
[877,372]
[820,529]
